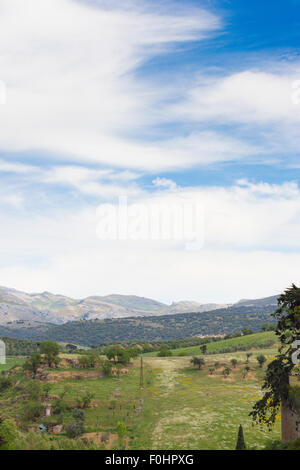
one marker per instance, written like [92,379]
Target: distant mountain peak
[46,307]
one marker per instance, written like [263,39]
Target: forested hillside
[89,333]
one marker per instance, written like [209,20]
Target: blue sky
[157,101]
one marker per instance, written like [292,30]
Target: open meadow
[177,407]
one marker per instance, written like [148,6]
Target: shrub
[261,359]
[78,415]
[5,383]
[60,406]
[8,433]
[75,429]
[32,410]
[164,353]
[107,367]
[34,389]
[198,362]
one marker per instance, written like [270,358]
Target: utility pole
[142,374]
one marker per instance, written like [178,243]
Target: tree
[247,331]
[245,371]
[5,383]
[75,429]
[32,410]
[34,389]
[85,400]
[51,352]
[33,363]
[107,367]
[78,415]
[121,431]
[226,371]
[164,353]
[261,359]
[249,354]
[276,383]
[240,445]
[133,352]
[88,361]
[112,353]
[268,327]
[47,388]
[198,362]
[234,362]
[203,349]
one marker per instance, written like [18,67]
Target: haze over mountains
[16,306]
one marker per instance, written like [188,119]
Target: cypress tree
[240,445]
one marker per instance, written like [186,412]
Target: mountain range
[17,306]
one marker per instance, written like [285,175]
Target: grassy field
[10,362]
[215,346]
[179,407]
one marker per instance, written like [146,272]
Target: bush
[164,353]
[32,410]
[78,415]
[107,367]
[60,406]
[5,383]
[34,389]
[8,433]
[75,429]
[278,445]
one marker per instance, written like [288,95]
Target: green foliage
[268,327]
[75,429]
[51,352]
[8,434]
[247,331]
[148,329]
[121,431]
[164,353]
[198,362]
[20,347]
[33,363]
[276,384]
[34,389]
[226,371]
[32,410]
[278,445]
[107,367]
[5,383]
[245,371]
[88,361]
[60,406]
[47,388]
[85,400]
[248,357]
[261,359]
[78,415]
[120,355]
[240,445]
[234,362]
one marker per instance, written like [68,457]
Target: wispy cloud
[70,75]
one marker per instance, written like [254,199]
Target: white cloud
[69,71]
[164,183]
[251,249]
[251,96]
